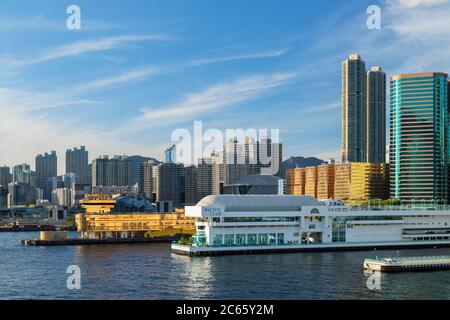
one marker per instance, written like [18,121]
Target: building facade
[376,116]
[354,109]
[108,172]
[170,183]
[22,173]
[77,162]
[46,168]
[5,176]
[295,181]
[145,179]
[419,148]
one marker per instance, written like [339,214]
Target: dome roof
[259,202]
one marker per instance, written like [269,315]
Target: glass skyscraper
[419,150]
[376,116]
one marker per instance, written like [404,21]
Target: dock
[83,242]
[405,264]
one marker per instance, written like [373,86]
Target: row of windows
[248,239]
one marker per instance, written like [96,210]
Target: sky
[137,70]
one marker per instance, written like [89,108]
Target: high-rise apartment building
[46,168]
[21,194]
[204,178]
[5,176]
[170,183]
[190,186]
[145,179]
[311,181]
[376,116]
[354,109]
[108,172]
[77,162]
[22,173]
[325,181]
[295,181]
[419,148]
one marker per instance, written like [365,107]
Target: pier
[405,264]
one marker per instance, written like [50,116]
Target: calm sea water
[151,271]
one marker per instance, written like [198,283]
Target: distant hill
[135,160]
[299,162]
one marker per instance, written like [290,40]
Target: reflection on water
[151,271]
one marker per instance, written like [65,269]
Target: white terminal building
[230,224]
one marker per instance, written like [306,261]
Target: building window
[280,238]
[240,239]
[273,238]
[263,238]
[218,239]
[252,239]
[229,239]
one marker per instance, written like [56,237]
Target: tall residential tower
[376,116]
[354,109]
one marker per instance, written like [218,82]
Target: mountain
[135,160]
[299,162]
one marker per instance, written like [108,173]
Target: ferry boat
[247,224]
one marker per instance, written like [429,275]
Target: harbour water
[151,271]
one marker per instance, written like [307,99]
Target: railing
[390,208]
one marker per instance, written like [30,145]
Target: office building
[354,109]
[3,197]
[77,162]
[419,150]
[170,155]
[376,116]
[254,184]
[111,172]
[62,197]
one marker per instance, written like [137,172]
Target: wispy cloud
[87,46]
[126,77]
[219,96]
[402,4]
[260,55]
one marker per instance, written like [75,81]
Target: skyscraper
[22,173]
[170,155]
[145,179]
[419,149]
[111,172]
[46,168]
[376,116]
[204,178]
[5,176]
[77,162]
[354,109]
[170,185]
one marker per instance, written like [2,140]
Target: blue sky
[139,69]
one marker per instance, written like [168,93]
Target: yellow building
[325,181]
[362,181]
[99,223]
[295,181]
[311,181]
[98,203]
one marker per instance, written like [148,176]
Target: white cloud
[212,99]
[260,55]
[407,4]
[86,46]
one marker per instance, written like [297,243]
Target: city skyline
[50,99]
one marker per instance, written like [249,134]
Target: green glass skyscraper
[419,149]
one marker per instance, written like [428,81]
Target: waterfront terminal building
[230,224]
